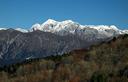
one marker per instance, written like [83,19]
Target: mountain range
[51,38]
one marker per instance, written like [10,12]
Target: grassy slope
[107,62]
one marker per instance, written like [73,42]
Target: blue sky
[25,13]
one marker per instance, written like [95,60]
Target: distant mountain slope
[16,46]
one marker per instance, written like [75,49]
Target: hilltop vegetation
[107,62]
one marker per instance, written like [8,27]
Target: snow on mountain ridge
[50,21]
[52,24]
[21,30]
[35,27]
[18,29]
[3,29]
[69,26]
[103,27]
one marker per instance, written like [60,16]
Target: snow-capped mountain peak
[50,21]
[35,27]
[67,21]
[114,27]
[54,26]
[69,26]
